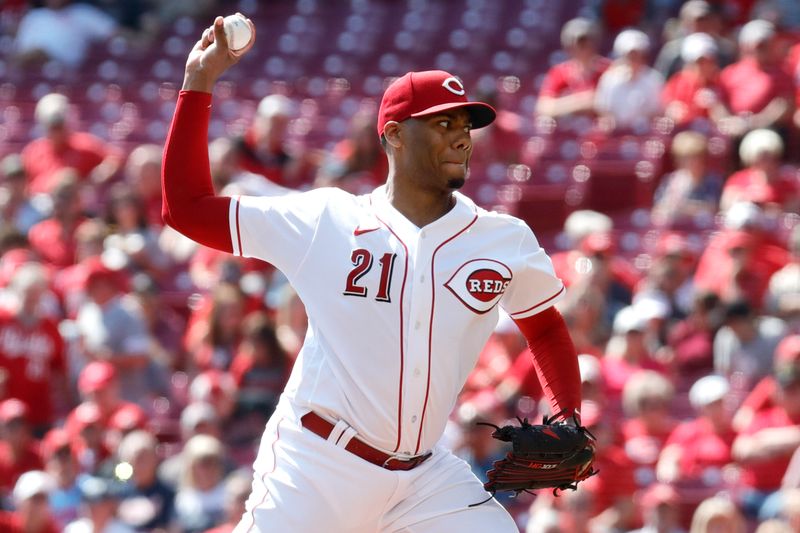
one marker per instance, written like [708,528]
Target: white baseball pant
[303,483]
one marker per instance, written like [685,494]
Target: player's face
[441,147]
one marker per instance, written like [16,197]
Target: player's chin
[456,183]
[457,178]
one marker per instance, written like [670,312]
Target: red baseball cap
[84,415]
[417,94]
[659,494]
[127,418]
[598,243]
[55,440]
[95,376]
[95,270]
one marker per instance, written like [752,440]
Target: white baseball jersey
[397,314]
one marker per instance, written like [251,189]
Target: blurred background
[652,145]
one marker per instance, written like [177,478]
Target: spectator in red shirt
[568,87]
[626,354]
[265,149]
[757,88]
[793,68]
[691,341]
[18,449]
[125,420]
[695,92]
[762,397]
[213,340]
[61,148]
[69,282]
[594,266]
[765,447]
[646,399]
[143,171]
[54,238]
[698,450]
[32,514]
[764,181]
[612,488]
[86,428]
[32,350]
[590,235]
[737,265]
[783,296]
[660,510]
[98,383]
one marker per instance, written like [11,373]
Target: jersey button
[423,234]
[414,418]
[417,372]
[417,325]
[422,279]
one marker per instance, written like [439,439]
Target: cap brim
[482,114]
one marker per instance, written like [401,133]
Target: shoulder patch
[480,284]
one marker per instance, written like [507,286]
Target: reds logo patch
[480,284]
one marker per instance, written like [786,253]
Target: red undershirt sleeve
[190,203]
[555,359]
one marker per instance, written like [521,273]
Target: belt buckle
[405,463]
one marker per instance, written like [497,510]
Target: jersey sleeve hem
[540,306]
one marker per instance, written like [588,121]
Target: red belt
[312,421]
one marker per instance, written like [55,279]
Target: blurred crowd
[137,369]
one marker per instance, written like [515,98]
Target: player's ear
[391,132]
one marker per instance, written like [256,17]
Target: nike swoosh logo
[361,231]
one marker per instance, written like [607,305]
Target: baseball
[237,31]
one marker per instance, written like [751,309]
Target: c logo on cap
[459,87]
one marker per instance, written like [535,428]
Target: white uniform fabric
[397,314]
[304,484]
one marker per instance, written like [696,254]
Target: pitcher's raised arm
[190,203]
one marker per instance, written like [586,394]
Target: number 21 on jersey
[362,263]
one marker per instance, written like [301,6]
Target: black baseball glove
[552,454]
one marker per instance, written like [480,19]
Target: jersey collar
[459,216]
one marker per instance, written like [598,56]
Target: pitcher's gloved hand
[553,454]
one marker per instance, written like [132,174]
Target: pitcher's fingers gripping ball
[235,34]
[552,454]
[238,32]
